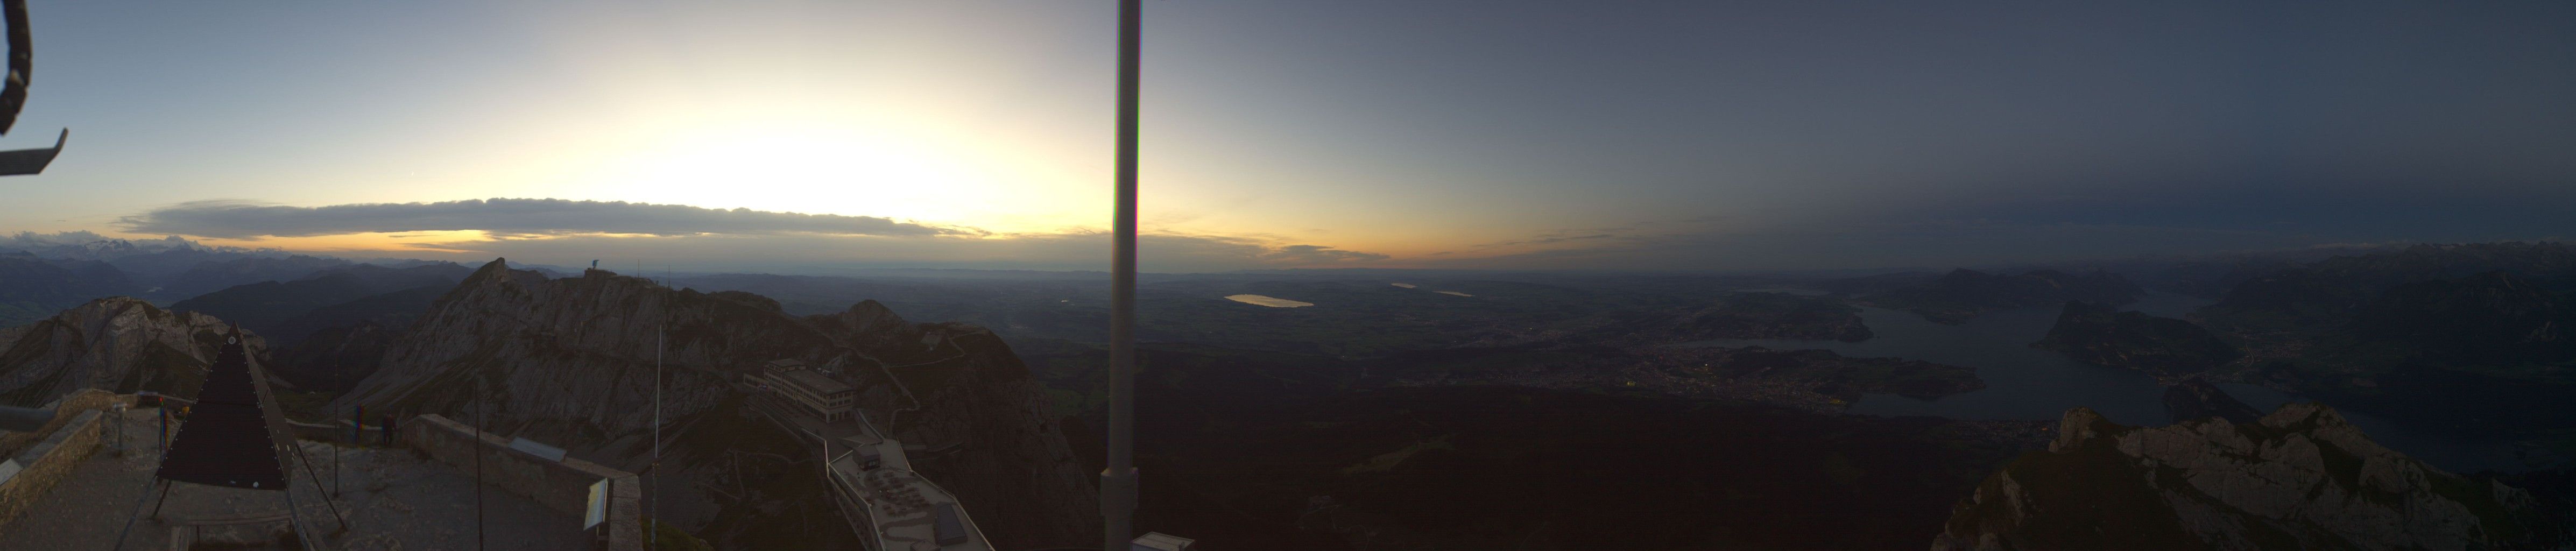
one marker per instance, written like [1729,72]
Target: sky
[1644,135]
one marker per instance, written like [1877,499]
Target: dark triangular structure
[235,436]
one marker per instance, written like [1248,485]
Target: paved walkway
[905,508]
[396,500]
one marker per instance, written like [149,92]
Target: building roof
[815,382]
[861,441]
[910,512]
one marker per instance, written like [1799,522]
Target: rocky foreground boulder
[2299,478]
[119,344]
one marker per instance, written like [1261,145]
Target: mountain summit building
[817,394]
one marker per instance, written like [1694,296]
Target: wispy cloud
[1315,254]
[506,218]
[571,232]
[807,253]
[33,240]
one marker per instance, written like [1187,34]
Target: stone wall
[47,462]
[560,485]
[65,409]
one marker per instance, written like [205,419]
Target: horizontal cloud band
[506,217]
[558,230]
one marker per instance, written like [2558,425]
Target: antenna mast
[654,536]
[1118,485]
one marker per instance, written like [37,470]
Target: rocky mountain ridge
[2467,338]
[2325,294]
[571,361]
[121,344]
[274,307]
[2299,478]
[33,289]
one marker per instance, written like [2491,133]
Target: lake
[2029,383]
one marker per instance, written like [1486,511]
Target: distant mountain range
[2469,338]
[329,330]
[33,289]
[2465,337]
[2326,294]
[211,276]
[283,308]
[172,269]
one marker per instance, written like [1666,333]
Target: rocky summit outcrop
[2300,478]
[119,344]
[2100,335]
[571,361]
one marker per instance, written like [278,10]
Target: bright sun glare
[809,168]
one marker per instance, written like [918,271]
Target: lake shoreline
[2029,384]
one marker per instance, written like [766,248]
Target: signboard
[596,511]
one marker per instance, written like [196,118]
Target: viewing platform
[391,498]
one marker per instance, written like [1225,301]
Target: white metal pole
[653,495]
[1118,486]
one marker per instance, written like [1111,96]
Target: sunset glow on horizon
[1290,134]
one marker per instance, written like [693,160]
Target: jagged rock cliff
[2301,478]
[120,344]
[570,361]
